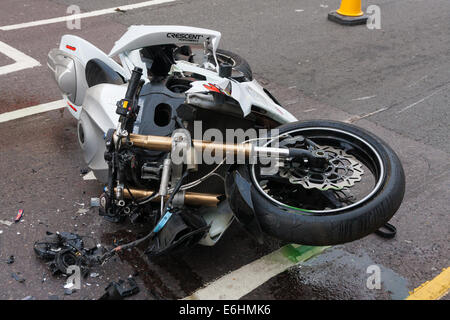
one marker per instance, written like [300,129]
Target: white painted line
[8,116]
[22,61]
[242,281]
[364,98]
[416,82]
[421,100]
[356,118]
[84,15]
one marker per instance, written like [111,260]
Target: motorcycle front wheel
[358,192]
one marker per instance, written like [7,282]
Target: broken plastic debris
[64,249]
[95,202]
[94,275]
[10,260]
[18,215]
[18,278]
[68,292]
[89,176]
[6,223]
[29,298]
[121,289]
[69,285]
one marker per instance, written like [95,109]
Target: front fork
[117,140]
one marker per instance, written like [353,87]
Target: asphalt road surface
[394,82]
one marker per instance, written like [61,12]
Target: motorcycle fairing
[247,94]
[68,64]
[144,36]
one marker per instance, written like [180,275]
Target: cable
[202,179]
[149,198]
[110,253]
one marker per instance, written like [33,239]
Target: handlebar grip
[133,83]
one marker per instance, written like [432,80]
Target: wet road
[400,72]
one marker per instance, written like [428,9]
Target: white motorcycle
[307,182]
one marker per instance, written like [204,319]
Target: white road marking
[415,82]
[8,116]
[421,100]
[242,281]
[84,15]
[22,61]
[364,98]
[356,118]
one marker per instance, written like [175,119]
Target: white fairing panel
[247,94]
[77,52]
[96,118]
[143,36]
[85,51]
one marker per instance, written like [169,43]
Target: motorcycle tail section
[68,65]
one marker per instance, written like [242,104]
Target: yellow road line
[434,289]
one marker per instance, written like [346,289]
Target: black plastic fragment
[387,231]
[121,289]
[64,249]
[10,260]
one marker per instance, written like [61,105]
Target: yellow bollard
[349,13]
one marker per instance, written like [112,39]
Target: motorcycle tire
[348,225]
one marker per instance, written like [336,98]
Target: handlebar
[133,84]
[127,107]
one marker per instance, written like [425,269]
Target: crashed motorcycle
[152,116]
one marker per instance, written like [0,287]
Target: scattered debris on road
[10,260]
[95,202]
[64,249]
[18,216]
[68,291]
[119,290]
[6,223]
[17,277]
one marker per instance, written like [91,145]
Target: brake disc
[343,171]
